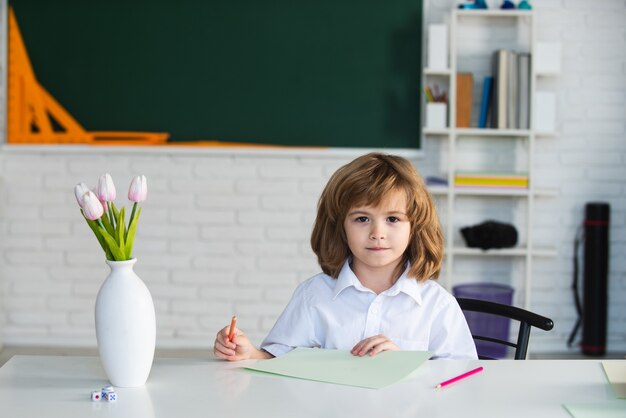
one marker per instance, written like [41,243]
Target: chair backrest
[526,320]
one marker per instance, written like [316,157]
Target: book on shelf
[510,102]
[509,184]
[436,181]
[523,93]
[485,103]
[500,75]
[511,90]
[464,87]
[491,179]
[481,175]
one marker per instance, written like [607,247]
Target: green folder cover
[341,367]
[607,409]
[616,374]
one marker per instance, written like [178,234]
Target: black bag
[490,234]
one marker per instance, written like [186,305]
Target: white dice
[107,393]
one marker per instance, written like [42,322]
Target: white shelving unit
[474,35]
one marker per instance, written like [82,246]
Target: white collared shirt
[337,314]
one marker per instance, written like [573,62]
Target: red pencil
[459,377]
[231,331]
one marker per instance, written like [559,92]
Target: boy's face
[378,236]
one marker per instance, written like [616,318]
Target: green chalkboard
[341,73]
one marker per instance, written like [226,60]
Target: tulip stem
[111,217]
[132,213]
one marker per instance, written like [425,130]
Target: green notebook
[341,367]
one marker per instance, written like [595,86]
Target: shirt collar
[404,284]
[407,285]
[346,279]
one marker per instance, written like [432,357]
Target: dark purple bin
[485,324]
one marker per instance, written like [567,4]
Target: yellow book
[490,175]
[491,182]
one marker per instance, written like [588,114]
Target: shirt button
[374,311]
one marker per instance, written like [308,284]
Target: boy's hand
[373,345]
[237,349]
[240,348]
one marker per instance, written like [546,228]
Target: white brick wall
[226,232]
[222,232]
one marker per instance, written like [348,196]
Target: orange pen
[231,331]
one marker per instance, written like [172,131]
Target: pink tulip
[105,189]
[92,208]
[138,190]
[79,191]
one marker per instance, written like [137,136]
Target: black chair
[526,320]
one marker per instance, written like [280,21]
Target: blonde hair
[367,180]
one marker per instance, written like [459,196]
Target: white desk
[49,386]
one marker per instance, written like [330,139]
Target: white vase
[125,326]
